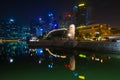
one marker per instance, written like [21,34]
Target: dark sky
[106,11]
[101,11]
[24,10]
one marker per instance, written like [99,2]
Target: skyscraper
[80,10]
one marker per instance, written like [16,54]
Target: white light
[11,60]
[40,62]
[97,59]
[11,20]
[40,19]
[69,34]
[71,31]
[32,40]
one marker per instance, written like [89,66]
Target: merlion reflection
[72,63]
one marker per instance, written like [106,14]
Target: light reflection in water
[86,63]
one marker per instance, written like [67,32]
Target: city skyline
[23,11]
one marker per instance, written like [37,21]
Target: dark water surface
[30,69]
[31,66]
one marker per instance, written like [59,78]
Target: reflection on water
[16,57]
[13,48]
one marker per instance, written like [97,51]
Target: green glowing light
[82,77]
[82,56]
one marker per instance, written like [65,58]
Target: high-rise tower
[81,12]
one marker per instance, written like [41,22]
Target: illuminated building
[2,28]
[80,12]
[66,20]
[38,27]
[11,30]
[91,31]
[52,21]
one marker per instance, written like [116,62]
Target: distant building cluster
[11,30]
[38,27]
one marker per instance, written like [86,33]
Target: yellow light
[93,58]
[82,55]
[101,60]
[11,40]
[109,28]
[55,55]
[82,77]
[80,5]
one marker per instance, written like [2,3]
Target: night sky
[106,11]
[101,11]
